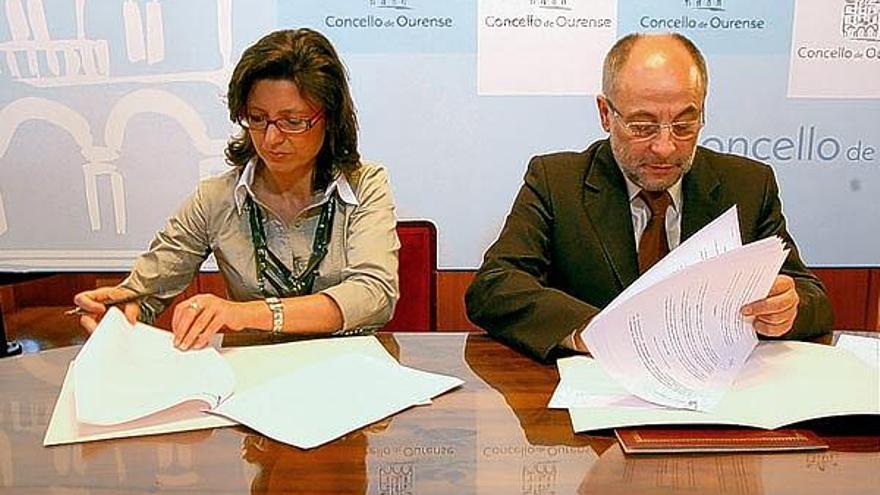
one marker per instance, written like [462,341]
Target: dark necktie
[653,245]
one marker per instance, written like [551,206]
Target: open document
[302,393]
[781,383]
[125,372]
[129,380]
[676,336]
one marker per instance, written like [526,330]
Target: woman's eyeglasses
[259,123]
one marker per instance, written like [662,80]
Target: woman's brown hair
[307,58]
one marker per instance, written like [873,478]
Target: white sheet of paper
[718,236]
[865,348]
[681,340]
[567,397]
[317,403]
[64,428]
[780,384]
[583,383]
[255,365]
[125,372]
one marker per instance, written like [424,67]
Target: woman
[303,232]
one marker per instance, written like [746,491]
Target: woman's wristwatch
[277,308]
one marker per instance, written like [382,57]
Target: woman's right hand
[90,301]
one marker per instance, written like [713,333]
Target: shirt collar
[674,192]
[244,187]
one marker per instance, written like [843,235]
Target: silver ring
[194,305]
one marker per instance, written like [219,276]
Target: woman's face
[274,100]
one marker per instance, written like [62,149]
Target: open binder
[129,380]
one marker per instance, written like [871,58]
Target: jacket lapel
[607,206]
[700,190]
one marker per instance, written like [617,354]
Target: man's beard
[633,170]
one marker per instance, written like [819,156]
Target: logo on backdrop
[704,15]
[391,4]
[861,20]
[551,4]
[543,47]
[392,14]
[551,14]
[714,5]
[839,38]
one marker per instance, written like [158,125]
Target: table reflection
[492,435]
[737,474]
[337,467]
[473,440]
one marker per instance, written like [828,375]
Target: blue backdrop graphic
[111,114]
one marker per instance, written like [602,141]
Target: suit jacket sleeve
[510,297]
[815,316]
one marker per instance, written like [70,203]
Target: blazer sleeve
[510,297]
[815,316]
[174,257]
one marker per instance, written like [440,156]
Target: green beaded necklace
[270,268]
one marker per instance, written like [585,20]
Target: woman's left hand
[198,318]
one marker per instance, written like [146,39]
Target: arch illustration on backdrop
[141,102]
[83,61]
[30,108]
[101,160]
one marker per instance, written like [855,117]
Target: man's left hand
[775,314]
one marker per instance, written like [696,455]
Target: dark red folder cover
[695,440]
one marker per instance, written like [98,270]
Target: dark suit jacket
[567,247]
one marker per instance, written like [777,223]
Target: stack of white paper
[676,336]
[782,383]
[130,381]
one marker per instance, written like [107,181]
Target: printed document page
[680,341]
[718,236]
[780,384]
[125,372]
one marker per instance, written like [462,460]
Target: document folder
[712,440]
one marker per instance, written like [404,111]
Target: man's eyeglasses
[683,130]
[259,123]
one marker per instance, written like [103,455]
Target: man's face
[659,84]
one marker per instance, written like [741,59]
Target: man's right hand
[91,301]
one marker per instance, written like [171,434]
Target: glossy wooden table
[493,435]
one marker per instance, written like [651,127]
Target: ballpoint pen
[109,302]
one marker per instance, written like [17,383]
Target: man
[582,228]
